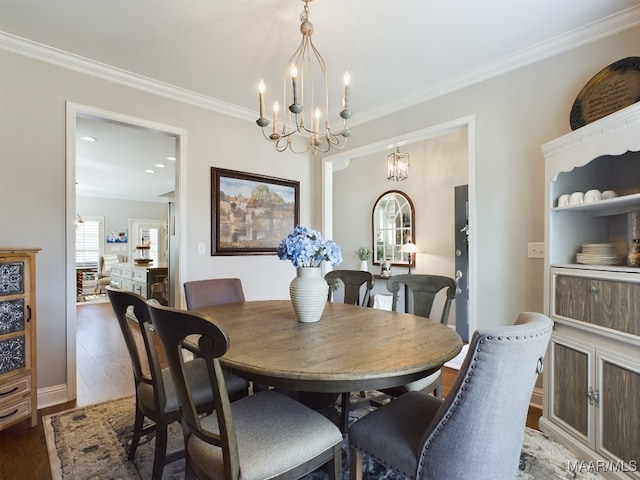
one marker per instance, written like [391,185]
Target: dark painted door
[461,213]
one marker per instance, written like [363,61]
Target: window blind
[88,242]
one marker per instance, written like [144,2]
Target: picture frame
[250,213]
[117,236]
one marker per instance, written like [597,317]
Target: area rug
[91,443]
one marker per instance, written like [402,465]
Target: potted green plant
[364,253]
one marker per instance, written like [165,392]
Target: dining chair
[213,291]
[264,435]
[477,430]
[352,282]
[156,397]
[208,293]
[423,290]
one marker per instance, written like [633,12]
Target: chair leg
[344,417]
[159,456]
[437,388]
[137,432]
[355,464]
[335,464]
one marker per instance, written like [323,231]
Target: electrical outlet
[536,250]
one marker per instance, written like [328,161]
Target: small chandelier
[398,166]
[307,114]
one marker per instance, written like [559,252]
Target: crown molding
[70,61]
[608,26]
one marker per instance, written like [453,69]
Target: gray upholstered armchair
[104,270]
[477,430]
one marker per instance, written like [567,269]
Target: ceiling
[217,51]
[120,162]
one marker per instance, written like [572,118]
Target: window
[150,234]
[89,242]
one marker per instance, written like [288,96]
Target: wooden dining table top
[350,348]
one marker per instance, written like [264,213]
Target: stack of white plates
[598,254]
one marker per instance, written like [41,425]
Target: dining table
[351,348]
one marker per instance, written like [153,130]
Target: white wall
[515,114]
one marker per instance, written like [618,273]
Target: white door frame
[73,110]
[341,160]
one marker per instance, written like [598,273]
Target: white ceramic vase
[308,291]
[364,266]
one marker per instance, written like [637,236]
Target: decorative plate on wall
[611,89]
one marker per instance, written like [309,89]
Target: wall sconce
[398,166]
[411,249]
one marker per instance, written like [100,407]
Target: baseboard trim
[50,396]
[536,398]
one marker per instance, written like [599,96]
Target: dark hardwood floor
[104,373]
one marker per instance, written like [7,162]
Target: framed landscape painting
[251,214]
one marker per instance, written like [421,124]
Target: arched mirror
[393,225]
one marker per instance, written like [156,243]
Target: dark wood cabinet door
[620,411]
[572,297]
[570,386]
[615,305]
[606,303]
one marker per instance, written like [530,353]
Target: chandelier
[398,166]
[306,93]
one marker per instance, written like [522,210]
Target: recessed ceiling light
[159,165]
[148,170]
[173,159]
[87,138]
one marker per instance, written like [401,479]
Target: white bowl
[592,196]
[563,201]
[576,198]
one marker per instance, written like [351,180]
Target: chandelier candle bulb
[347,82]
[261,97]
[316,125]
[276,107]
[294,74]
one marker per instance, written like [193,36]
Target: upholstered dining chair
[265,435]
[352,282]
[156,396]
[477,430]
[424,289]
[213,291]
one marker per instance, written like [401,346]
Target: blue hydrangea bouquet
[305,247]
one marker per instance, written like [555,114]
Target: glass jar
[633,239]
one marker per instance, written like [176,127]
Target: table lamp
[409,248]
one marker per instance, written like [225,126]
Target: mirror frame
[403,261]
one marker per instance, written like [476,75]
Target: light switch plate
[202,248]
[536,250]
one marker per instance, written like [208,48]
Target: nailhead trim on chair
[456,402]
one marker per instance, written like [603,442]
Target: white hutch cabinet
[592,379]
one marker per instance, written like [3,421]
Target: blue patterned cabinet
[18,389]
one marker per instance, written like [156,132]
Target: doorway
[101,192]
[342,160]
